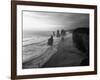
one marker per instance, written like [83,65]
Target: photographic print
[53,39]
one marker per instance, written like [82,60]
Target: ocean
[31,37]
[35,44]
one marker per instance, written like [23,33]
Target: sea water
[35,43]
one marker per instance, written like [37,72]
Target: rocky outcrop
[81,42]
[81,39]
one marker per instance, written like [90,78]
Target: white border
[21,71]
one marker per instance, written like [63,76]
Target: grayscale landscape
[54,39]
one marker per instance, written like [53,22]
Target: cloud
[33,20]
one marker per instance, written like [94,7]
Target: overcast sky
[49,21]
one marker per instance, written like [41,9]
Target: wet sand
[66,55]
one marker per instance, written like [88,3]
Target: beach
[35,55]
[66,55]
[61,54]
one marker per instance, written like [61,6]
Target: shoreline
[67,55]
[36,61]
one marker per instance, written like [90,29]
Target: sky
[52,21]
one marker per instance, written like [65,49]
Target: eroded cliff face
[81,39]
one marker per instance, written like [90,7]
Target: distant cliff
[81,39]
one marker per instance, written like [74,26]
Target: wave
[34,50]
[34,40]
[34,46]
[39,41]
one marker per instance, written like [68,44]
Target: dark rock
[81,39]
[85,62]
[58,33]
[50,41]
